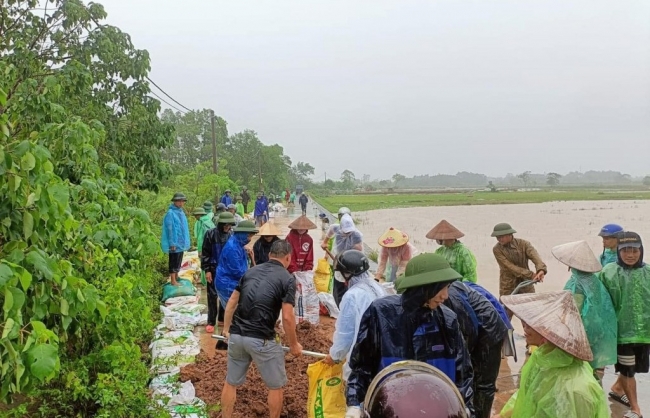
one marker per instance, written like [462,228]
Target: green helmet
[199,211]
[179,196]
[246,226]
[502,229]
[424,269]
[207,205]
[226,218]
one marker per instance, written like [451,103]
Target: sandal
[620,398]
[632,414]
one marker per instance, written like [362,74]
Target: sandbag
[184,288]
[307,304]
[327,301]
[323,276]
[326,391]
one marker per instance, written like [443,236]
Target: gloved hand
[353,412]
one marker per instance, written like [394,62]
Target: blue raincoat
[598,316]
[176,231]
[233,263]
[226,200]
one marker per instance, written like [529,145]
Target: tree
[553,179]
[398,178]
[524,177]
[491,186]
[646,181]
[347,176]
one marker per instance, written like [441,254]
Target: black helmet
[430,393]
[221,207]
[352,263]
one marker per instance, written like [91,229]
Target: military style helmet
[220,207]
[179,196]
[430,393]
[351,263]
[231,206]
[226,218]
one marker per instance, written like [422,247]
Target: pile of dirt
[209,373]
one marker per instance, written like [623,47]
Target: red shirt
[302,256]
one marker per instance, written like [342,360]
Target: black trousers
[338,290]
[486,362]
[213,314]
[245,207]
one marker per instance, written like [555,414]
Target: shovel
[221,344]
[222,339]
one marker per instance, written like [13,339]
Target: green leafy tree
[397,178]
[646,181]
[553,179]
[348,176]
[525,178]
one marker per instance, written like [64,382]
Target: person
[557,380]
[593,302]
[396,251]
[213,242]
[287,196]
[386,397]
[208,206]
[628,283]
[262,293]
[346,237]
[221,208]
[175,235]
[460,258]
[261,209]
[609,233]
[262,247]
[353,266]
[512,255]
[292,198]
[202,225]
[245,198]
[233,261]
[302,258]
[233,209]
[239,207]
[303,203]
[226,199]
[412,326]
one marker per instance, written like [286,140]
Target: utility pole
[326,176]
[214,144]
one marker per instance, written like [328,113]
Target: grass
[387,201]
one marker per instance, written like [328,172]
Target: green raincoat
[598,315]
[461,259]
[202,225]
[239,209]
[554,384]
[630,292]
[608,256]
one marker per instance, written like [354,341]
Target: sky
[413,87]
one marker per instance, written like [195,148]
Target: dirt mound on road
[209,373]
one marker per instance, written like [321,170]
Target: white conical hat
[268,229]
[555,316]
[577,255]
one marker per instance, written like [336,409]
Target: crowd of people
[441,315]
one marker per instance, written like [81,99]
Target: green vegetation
[363,202]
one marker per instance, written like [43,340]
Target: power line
[165,93]
[167,103]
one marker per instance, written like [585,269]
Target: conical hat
[393,238]
[269,229]
[577,255]
[555,316]
[444,230]
[302,223]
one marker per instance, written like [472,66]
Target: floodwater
[544,225]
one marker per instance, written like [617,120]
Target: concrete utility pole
[214,144]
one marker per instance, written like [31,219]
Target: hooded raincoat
[233,263]
[555,384]
[362,290]
[261,250]
[598,316]
[396,259]
[201,226]
[461,259]
[398,327]
[608,256]
[239,209]
[176,231]
[630,292]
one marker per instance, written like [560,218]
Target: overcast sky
[415,87]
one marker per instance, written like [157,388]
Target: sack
[307,307]
[328,303]
[326,396]
[184,288]
[323,276]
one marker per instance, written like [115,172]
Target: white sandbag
[166,359]
[174,338]
[307,304]
[327,300]
[182,300]
[185,395]
[192,309]
[176,324]
[197,409]
[163,380]
[389,288]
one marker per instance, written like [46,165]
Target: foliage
[646,181]
[553,179]
[78,134]
[397,178]
[524,177]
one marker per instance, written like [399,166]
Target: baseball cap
[629,239]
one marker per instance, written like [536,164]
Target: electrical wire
[165,93]
[167,103]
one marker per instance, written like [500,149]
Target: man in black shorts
[628,283]
[249,325]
